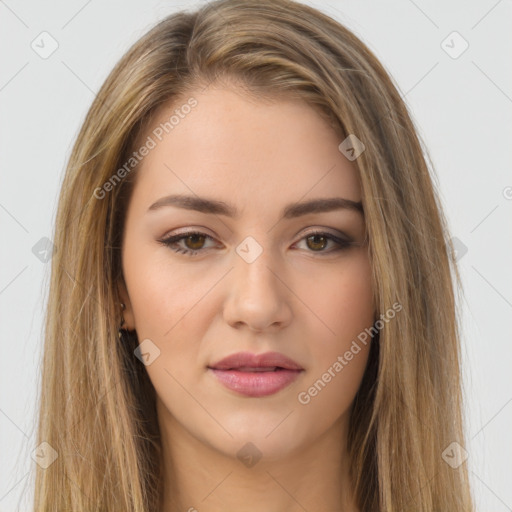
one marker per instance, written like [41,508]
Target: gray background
[463,110]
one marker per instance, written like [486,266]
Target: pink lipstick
[256,375]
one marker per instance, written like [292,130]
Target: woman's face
[255,279]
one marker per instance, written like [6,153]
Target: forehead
[256,153]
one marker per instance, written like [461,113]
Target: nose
[258,296]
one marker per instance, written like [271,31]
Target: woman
[251,304]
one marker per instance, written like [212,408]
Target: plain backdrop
[460,99]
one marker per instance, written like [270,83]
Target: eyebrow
[293,210]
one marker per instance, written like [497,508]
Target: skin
[300,297]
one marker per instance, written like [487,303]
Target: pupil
[195,237]
[315,241]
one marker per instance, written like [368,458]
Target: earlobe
[125,306]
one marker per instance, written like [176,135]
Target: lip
[250,360]
[235,373]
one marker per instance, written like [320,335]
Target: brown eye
[187,243]
[194,241]
[317,242]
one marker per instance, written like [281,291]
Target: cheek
[342,299]
[171,308]
[163,295]
[166,304]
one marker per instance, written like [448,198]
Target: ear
[129,319]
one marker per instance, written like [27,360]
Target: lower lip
[256,384]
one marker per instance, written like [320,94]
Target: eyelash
[172,240]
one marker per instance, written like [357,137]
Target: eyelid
[327,231]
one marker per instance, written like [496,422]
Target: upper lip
[247,359]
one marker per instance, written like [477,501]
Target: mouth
[257,369]
[247,361]
[256,375]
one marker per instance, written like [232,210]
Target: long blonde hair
[97,406]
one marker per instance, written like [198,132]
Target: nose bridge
[257,297]
[253,264]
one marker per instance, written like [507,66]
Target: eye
[317,241]
[192,243]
